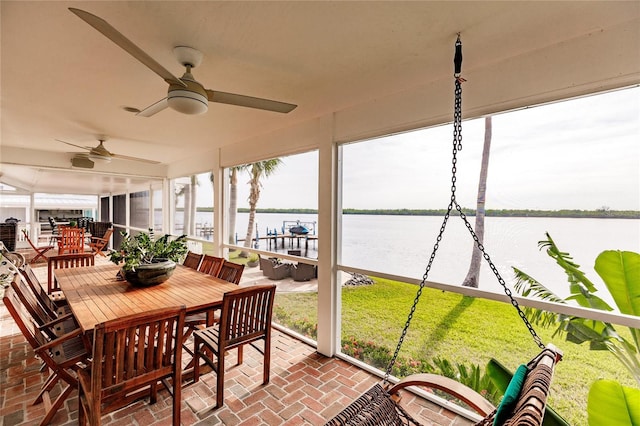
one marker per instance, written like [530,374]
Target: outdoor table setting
[95,294]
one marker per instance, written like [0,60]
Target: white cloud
[580,154]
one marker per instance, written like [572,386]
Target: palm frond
[527,286]
[575,276]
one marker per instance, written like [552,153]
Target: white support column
[220,204]
[34,230]
[150,214]
[167,202]
[328,290]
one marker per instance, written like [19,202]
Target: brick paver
[306,388]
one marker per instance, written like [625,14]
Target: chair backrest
[70,240]
[37,289]
[61,261]
[211,265]
[231,272]
[84,222]
[26,236]
[135,351]
[39,314]
[56,357]
[99,243]
[192,260]
[54,225]
[246,316]
[98,229]
[531,403]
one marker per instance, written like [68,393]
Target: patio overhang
[355,69]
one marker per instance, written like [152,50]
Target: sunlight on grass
[460,329]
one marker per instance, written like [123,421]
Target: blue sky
[579,154]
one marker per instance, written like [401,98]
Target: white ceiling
[62,79]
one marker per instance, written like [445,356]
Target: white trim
[594,314]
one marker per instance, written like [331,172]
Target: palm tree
[257,171]
[233,199]
[190,203]
[472,278]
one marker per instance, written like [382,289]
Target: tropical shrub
[144,248]
[620,272]
[609,402]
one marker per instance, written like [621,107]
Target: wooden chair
[99,229]
[98,244]
[231,272]
[130,356]
[74,260]
[51,324]
[192,260]
[40,251]
[211,265]
[62,355]
[55,303]
[245,319]
[70,240]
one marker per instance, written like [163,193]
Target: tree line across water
[568,213]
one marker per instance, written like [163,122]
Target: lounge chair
[303,272]
[273,270]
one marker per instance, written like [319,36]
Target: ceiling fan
[100,153]
[185,94]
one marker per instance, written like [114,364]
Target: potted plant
[148,261]
[253,261]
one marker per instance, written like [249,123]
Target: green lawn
[461,329]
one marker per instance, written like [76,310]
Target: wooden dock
[287,240]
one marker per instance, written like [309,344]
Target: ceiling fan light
[187,102]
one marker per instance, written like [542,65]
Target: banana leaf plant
[612,404]
[620,272]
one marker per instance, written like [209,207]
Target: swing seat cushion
[511,395]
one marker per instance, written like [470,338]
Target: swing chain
[457,146]
[495,271]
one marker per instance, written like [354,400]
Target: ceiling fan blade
[249,101]
[142,160]
[154,109]
[88,148]
[115,36]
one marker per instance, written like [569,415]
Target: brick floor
[306,388]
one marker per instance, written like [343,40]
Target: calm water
[401,245]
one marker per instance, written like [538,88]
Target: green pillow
[510,396]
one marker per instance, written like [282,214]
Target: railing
[560,308]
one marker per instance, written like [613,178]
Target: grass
[462,330]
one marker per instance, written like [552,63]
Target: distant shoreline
[576,214]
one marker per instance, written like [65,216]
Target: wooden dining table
[95,294]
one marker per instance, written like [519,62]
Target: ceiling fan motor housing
[188,100]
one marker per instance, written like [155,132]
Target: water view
[401,245]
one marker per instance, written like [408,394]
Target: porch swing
[524,401]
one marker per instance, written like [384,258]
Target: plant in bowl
[253,261]
[149,261]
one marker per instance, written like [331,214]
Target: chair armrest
[60,319]
[75,333]
[450,386]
